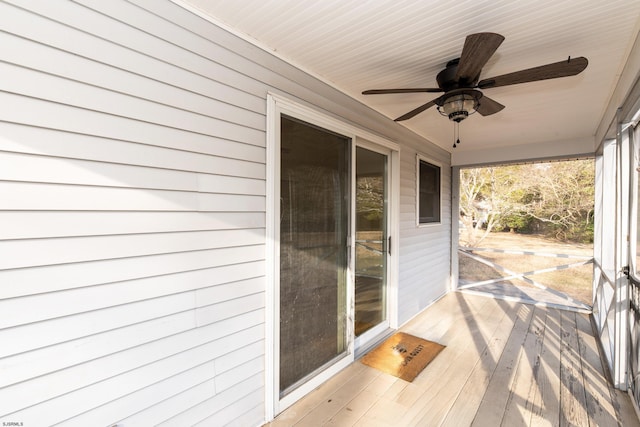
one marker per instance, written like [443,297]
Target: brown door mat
[402,355]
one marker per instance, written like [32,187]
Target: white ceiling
[357,45]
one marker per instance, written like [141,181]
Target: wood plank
[523,388]
[448,306]
[304,406]
[599,399]
[573,404]
[498,394]
[507,341]
[528,368]
[545,402]
[329,407]
[355,409]
[385,411]
[627,414]
[449,372]
[443,314]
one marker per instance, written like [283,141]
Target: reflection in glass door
[371,240]
[314,226]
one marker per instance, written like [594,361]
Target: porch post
[621,257]
[455,226]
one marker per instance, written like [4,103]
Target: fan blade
[487,106]
[416,111]
[409,90]
[567,68]
[477,50]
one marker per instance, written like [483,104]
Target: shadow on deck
[505,364]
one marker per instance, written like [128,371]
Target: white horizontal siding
[99,373]
[46,224]
[26,253]
[425,252]
[30,196]
[120,46]
[44,86]
[193,154]
[163,359]
[132,214]
[200,401]
[64,303]
[166,88]
[172,272]
[38,168]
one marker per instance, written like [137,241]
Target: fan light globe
[458,107]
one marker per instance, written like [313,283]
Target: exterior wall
[132,214]
[425,254]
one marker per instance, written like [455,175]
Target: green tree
[555,198]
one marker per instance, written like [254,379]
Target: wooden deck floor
[506,364]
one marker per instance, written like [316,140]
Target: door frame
[391,291]
[278,105]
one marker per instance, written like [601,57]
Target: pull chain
[456,134]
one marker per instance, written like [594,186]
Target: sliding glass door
[331,251]
[372,242]
[314,228]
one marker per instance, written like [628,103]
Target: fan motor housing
[447,78]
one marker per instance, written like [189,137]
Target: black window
[428,193]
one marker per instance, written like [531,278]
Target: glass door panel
[371,240]
[314,226]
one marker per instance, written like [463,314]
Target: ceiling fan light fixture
[460,104]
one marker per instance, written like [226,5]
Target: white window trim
[422,157]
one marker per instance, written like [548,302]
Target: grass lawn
[575,282]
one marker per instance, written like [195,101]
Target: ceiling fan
[461,84]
